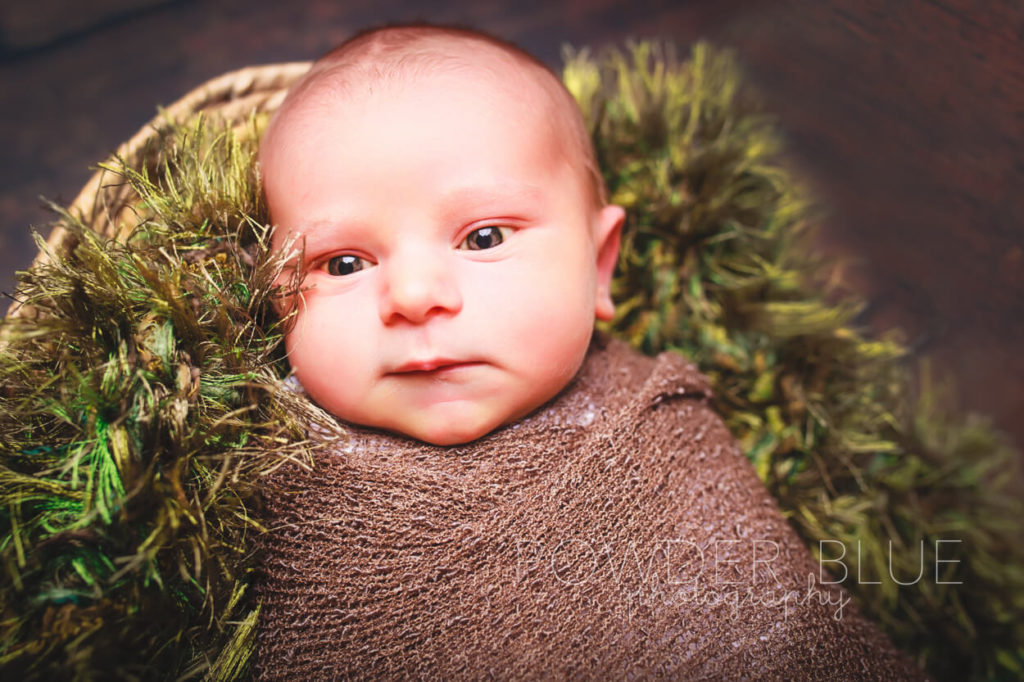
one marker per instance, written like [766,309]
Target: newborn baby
[519,497]
[455,231]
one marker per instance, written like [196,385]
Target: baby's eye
[485,238]
[346,265]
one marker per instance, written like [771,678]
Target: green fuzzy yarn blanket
[140,409]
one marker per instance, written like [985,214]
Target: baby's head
[456,238]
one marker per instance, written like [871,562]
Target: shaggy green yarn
[137,415]
[715,263]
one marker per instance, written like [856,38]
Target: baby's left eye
[485,238]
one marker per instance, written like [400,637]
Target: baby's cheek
[319,357]
[556,324]
[301,356]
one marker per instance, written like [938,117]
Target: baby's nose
[416,287]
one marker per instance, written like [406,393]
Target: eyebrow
[453,202]
[489,194]
[324,231]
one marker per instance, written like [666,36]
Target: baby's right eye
[346,265]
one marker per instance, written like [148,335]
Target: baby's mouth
[432,367]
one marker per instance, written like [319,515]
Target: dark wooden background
[906,117]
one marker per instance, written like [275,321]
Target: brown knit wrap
[617,532]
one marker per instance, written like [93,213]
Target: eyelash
[334,264]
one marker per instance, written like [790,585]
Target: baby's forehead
[332,95]
[475,68]
[468,68]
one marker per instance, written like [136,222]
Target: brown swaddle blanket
[616,532]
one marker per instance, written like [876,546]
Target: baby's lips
[430,365]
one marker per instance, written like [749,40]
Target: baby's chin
[455,423]
[445,432]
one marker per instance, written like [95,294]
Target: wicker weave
[233,97]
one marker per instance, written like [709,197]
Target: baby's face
[455,262]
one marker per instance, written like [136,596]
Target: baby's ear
[606,238]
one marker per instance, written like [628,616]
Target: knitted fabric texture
[616,532]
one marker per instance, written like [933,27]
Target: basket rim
[235,94]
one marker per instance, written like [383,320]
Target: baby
[456,235]
[595,518]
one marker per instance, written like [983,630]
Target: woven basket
[233,97]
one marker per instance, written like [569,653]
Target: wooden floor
[907,117]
